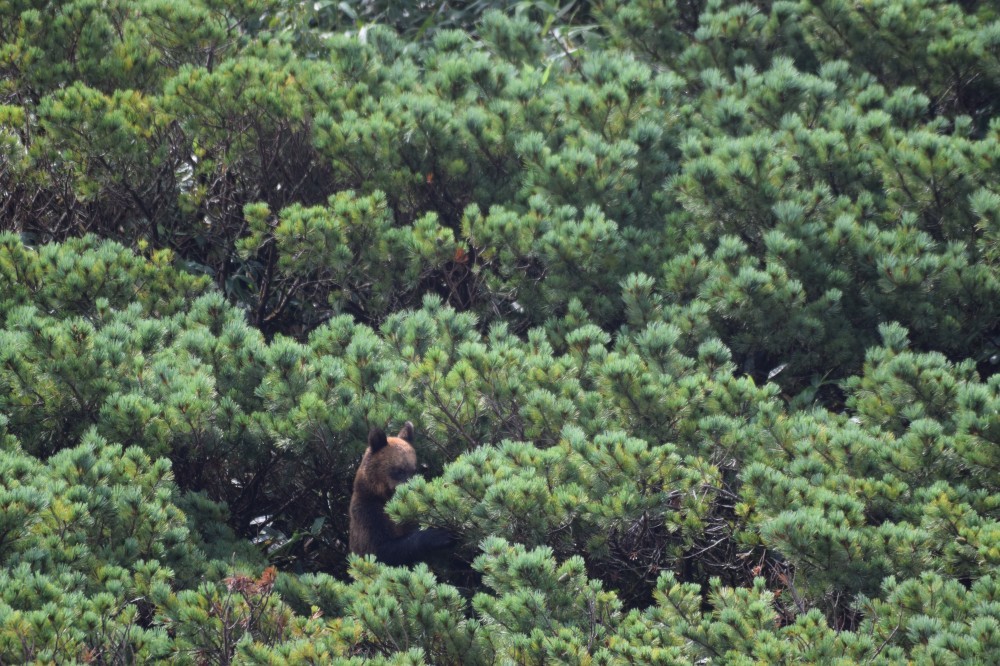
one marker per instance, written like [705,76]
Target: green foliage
[762,162]
[615,499]
[536,610]
[86,536]
[826,506]
[694,305]
[86,274]
[906,486]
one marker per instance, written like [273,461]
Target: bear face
[388,463]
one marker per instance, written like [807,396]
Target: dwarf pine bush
[694,305]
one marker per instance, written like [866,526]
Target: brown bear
[388,462]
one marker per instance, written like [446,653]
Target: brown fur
[388,462]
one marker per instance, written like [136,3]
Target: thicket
[696,306]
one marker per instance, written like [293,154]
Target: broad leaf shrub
[695,305]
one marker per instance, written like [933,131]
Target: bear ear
[377,440]
[407,432]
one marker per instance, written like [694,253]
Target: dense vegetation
[695,304]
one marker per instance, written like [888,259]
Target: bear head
[388,462]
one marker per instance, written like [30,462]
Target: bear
[387,463]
